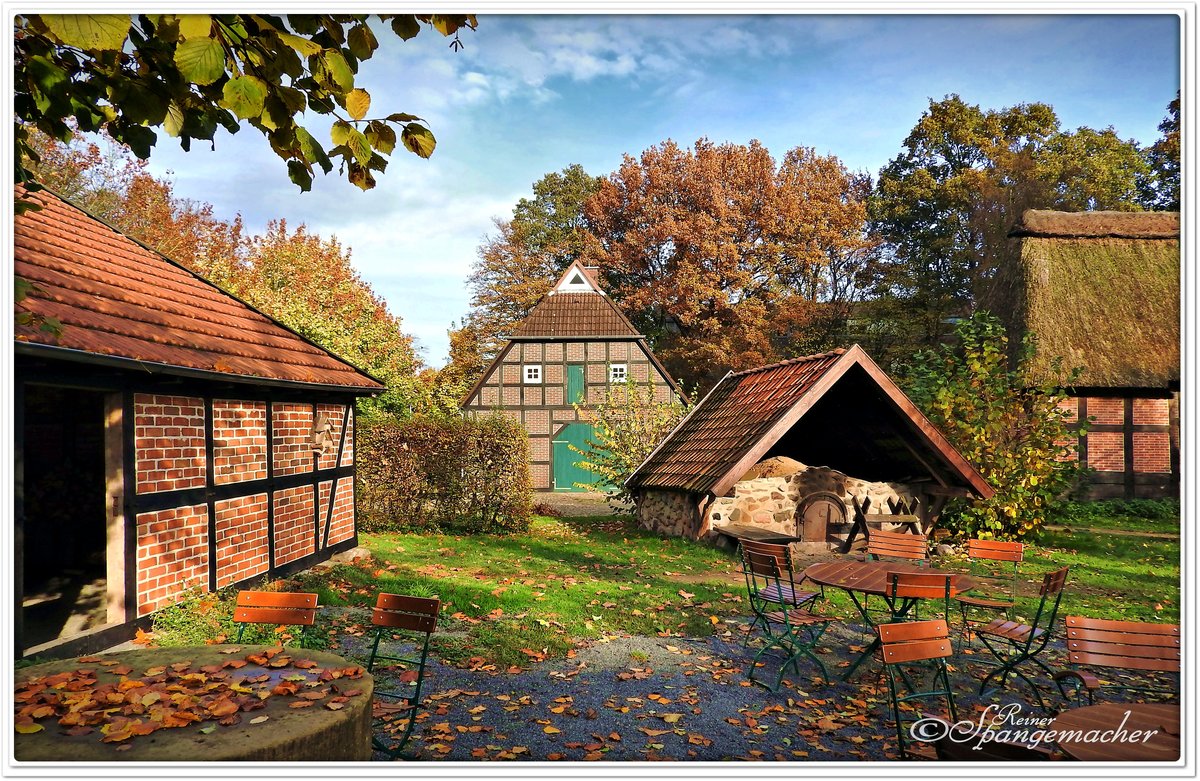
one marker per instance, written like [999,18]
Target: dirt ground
[574,504]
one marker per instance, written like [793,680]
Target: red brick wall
[291,436]
[1151,451]
[1106,450]
[242,550]
[333,413]
[294,524]
[1151,412]
[169,442]
[172,555]
[239,441]
[341,527]
[1106,411]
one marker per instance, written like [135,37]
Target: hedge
[453,474]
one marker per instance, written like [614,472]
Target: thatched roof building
[1101,291]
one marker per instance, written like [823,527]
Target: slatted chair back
[910,644]
[918,586]
[1052,584]
[996,566]
[415,615]
[1124,645]
[995,550]
[282,608]
[781,553]
[893,545]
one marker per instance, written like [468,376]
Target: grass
[1137,515]
[507,600]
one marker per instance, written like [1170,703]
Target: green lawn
[511,599]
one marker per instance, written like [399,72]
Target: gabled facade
[171,437]
[570,348]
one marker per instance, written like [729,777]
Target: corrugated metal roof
[734,417]
[118,299]
[575,316]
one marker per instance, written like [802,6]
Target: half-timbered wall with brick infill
[544,406]
[229,490]
[1131,446]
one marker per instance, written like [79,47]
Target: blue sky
[533,94]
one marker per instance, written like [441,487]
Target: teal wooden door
[566,473]
[575,385]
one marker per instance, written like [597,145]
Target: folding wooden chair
[916,647]
[794,631]
[1124,645]
[905,590]
[281,608]
[1015,644]
[782,594]
[893,545]
[416,617]
[990,557]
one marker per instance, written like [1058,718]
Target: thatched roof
[1098,289]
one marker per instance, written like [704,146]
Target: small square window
[533,374]
[617,372]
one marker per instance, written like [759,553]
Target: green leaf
[173,123]
[406,26]
[244,96]
[195,26]
[359,146]
[200,60]
[303,45]
[358,103]
[312,151]
[338,69]
[362,41]
[418,139]
[340,132]
[300,174]
[402,118]
[94,32]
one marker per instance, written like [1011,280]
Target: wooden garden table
[871,578]
[311,733]
[1109,717]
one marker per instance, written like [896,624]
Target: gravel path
[654,698]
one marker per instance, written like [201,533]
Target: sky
[533,94]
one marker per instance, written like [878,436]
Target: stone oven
[743,455]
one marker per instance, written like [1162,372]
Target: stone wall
[671,513]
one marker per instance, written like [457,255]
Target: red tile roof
[119,300]
[748,412]
[575,316]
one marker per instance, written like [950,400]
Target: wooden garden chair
[905,590]
[993,557]
[415,618]
[281,608]
[1121,645]
[894,545]
[1014,644]
[916,650]
[793,630]
[783,594]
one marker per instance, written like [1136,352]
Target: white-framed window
[617,372]
[532,374]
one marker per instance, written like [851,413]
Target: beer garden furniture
[793,630]
[1013,644]
[916,650]
[1105,732]
[1123,645]
[415,619]
[1001,596]
[280,608]
[866,578]
[782,594]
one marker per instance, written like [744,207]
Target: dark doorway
[65,530]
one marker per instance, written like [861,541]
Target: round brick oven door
[816,513]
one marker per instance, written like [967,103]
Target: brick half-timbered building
[170,437]
[1101,291]
[570,348]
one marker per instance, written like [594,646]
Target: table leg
[898,613]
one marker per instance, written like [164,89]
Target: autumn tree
[518,263]
[725,259]
[943,207]
[190,74]
[1160,189]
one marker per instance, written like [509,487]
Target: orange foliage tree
[726,259]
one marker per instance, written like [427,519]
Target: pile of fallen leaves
[173,696]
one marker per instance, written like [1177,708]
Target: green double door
[564,459]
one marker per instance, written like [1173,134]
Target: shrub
[1017,436]
[627,424]
[465,474]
